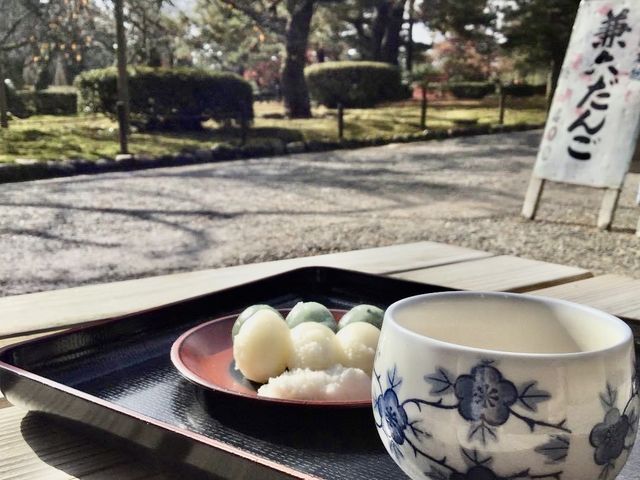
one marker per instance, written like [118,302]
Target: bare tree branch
[13,46]
[30,11]
[13,28]
[265,17]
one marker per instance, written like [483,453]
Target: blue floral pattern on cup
[486,399]
[485,395]
[394,417]
[479,468]
[617,432]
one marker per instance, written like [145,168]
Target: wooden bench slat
[615,294]
[59,308]
[501,273]
[42,450]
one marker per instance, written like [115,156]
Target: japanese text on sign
[595,117]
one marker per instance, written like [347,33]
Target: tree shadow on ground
[394,179]
[45,235]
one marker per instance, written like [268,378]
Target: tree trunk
[410,37]
[4,118]
[294,85]
[391,48]
[145,42]
[44,75]
[123,82]
[379,29]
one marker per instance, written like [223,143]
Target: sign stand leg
[608,208]
[532,199]
[638,202]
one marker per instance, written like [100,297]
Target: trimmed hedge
[471,90]
[177,98]
[354,84]
[56,103]
[46,102]
[524,90]
[15,102]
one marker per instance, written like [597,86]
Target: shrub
[169,98]
[524,90]
[15,103]
[471,90]
[52,102]
[423,74]
[354,84]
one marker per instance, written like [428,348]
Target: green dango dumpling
[246,314]
[363,313]
[311,312]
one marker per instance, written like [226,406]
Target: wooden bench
[615,294]
[34,449]
[501,273]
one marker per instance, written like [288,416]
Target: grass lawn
[93,137]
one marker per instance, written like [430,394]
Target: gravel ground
[467,191]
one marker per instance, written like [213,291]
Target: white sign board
[594,121]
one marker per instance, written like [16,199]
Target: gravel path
[468,191]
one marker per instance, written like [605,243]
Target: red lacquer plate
[204,355]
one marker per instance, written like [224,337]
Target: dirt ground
[467,191]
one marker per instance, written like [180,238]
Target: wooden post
[4,118]
[638,203]
[123,87]
[608,208]
[423,108]
[340,121]
[501,105]
[122,129]
[244,126]
[532,198]
[410,37]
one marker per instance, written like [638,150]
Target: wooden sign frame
[638,203]
[584,143]
[607,208]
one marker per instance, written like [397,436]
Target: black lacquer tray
[115,380]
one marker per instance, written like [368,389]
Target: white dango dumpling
[358,342]
[246,314]
[262,347]
[314,346]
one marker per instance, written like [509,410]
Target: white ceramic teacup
[492,386]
